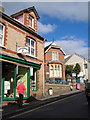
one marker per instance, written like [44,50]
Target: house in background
[76,58]
[54,62]
[21,54]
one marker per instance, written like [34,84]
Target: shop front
[12,72]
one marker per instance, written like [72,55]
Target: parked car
[60,81]
[87,91]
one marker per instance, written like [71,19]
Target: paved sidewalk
[12,109]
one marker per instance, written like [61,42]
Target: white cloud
[68,37]
[73,46]
[46,28]
[62,10]
[69,10]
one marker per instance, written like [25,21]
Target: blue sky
[65,23]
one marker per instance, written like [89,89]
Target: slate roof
[26,10]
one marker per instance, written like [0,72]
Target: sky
[65,23]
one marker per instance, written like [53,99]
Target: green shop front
[14,69]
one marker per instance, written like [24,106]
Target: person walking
[21,89]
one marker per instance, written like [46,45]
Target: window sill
[1,46]
[31,56]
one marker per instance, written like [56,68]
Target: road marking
[28,111]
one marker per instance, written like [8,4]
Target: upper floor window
[85,66]
[31,44]
[20,18]
[31,21]
[1,34]
[54,55]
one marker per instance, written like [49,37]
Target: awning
[17,60]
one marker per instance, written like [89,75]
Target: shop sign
[22,49]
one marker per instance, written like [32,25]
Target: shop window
[22,76]
[1,34]
[34,80]
[31,21]
[8,76]
[31,45]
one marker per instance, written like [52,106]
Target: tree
[69,69]
[77,69]
[68,76]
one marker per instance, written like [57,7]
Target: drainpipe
[43,80]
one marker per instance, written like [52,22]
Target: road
[74,106]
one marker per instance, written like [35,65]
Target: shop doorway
[8,80]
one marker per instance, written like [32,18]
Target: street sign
[74,74]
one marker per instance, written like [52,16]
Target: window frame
[32,21]
[30,47]
[2,34]
[57,71]
[34,80]
[55,56]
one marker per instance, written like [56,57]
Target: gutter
[21,26]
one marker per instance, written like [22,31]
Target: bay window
[55,70]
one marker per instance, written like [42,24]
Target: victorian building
[54,62]
[21,54]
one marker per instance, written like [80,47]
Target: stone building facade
[20,54]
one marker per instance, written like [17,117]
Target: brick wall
[15,35]
[48,57]
[59,88]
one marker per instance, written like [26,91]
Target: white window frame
[34,81]
[32,21]
[57,71]
[31,47]
[2,35]
[54,55]
[51,71]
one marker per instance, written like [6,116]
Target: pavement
[13,108]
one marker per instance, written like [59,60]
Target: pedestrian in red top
[21,89]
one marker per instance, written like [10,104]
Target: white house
[83,62]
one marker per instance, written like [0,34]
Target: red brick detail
[48,57]
[5,35]
[36,49]
[11,51]
[40,41]
[3,21]
[16,28]
[14,52]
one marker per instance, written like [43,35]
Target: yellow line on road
[28,111]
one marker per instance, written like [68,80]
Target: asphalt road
[74,106]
